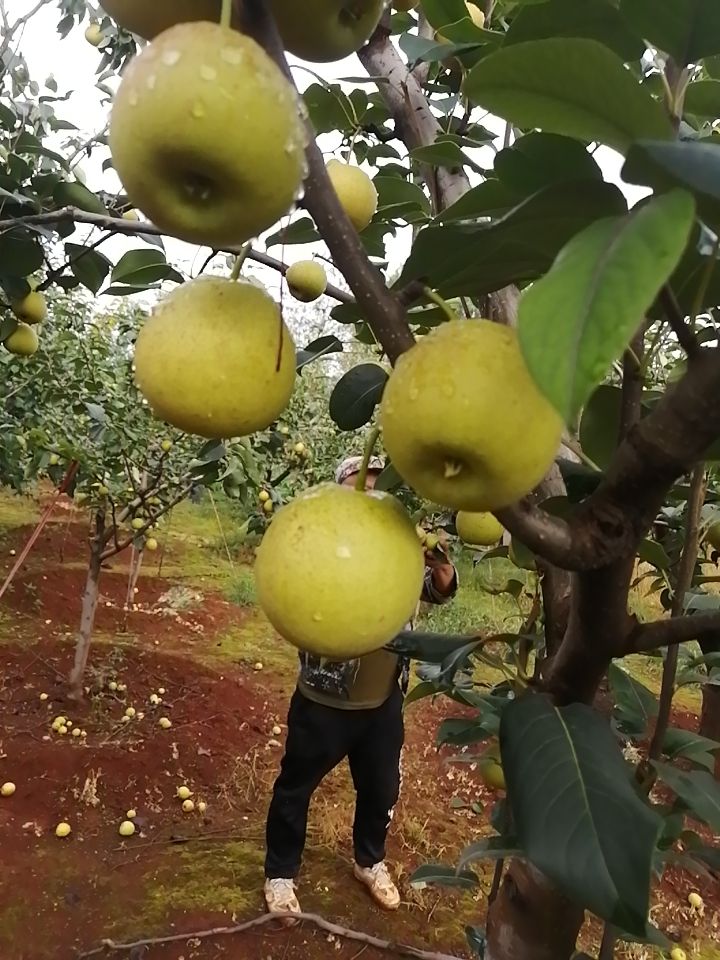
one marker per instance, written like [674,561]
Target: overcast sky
[73,62]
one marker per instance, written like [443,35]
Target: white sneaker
[380,884]
[280,897]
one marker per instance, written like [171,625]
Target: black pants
[319,738]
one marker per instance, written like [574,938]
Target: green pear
[464,422]
[339,572]
[478,529]
[356,192]
[32,308]
[206,136]
[216,359]
[23,341]
[325,30]
[148,18]
[307,280]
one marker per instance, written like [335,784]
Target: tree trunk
[89,606]
[530,920]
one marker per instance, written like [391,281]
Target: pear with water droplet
[325,30]
[339,572]
[216,359]
[481,445]
[148,18]
[206,136]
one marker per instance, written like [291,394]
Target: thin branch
[696,498]
[400,949]
[546,535]
[675,317]
[675,630]
[383,311]
[137,229]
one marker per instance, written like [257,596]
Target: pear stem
[239,261]
[443,304]
[226,13]
[369,447]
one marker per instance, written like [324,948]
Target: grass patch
[15,510]
[254,641]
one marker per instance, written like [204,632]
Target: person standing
[345,709]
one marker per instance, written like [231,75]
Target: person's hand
[436,554]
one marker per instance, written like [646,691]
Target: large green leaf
[356,394]
[76,194]
[703,99]
[600,424]
[635,705]
[698,790]
[539,159]
[20,253]
[686,743]
[138,268]
[570,86]
[318,348]
[689,30]
[580,317]
[691,164]
[476,258]
[443,875]
[491,198]
[576,813]
[593,19]
[88,265]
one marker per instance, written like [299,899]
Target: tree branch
[137,229]
[675,630]
[400,949]
[675,317]
[548,536]
[382,310]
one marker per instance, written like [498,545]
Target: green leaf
[688,30]
[444,876]
[489,199]
[489,848]
[461,733]
[356,394]
[299,231]
[653,553]
[703,99]
[89,266]
[698,790]
[576,813]
[329,108]
[580,317]
[539,159]
[600,424]
[689,164]
[635,705]
[318,348]
[687,743]
[398,197]
[593,19]
[477,258]
[20,253]
[76,194]
[572,86]
[137,268]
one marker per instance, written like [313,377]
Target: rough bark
[87,616]
[710,714]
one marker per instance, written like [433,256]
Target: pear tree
[484,135]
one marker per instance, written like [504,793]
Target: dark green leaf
[77,194]
[89,266]
[689,30]
[473,259]
[580,317]
[490,848]
[389,479]
[20,253]
[703,99]
[397,197]
[540,159]
[318,348]
[571,86]
[635,705]
[687,743]
[444,876]
[653,553]
[442,153]
[461,733]
[600,424]
[489,199]
[593,19]
[142,267]
[698,790]
[356,394]
[329,108]
[427,647]
[690,164]
[299,231]
[576,813]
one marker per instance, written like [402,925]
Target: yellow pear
[307,280]
[216,359]
[713,535]
[478,529]
[356,191]
[492,774]
[324,30]
[94,35]
[32,308]
[23,341]
[148,18]
[364,582]
[464,422]
[206,135]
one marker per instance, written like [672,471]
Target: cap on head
[351,465]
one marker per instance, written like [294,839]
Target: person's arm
[441,580]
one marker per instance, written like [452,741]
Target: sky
[73,62]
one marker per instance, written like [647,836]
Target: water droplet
[133,99]
[343,552]
[317,617]
[151,81]
[208,73]
[198,111]
[231,55]
[413,393]
[171,57]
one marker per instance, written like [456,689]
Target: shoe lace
[381,875]
[282,885]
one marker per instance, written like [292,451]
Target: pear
[356,191]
